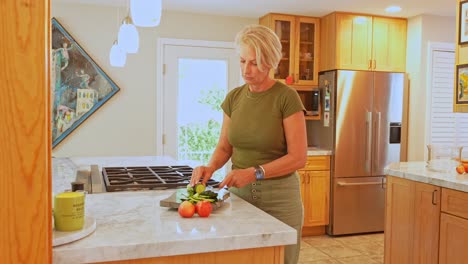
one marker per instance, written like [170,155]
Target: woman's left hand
[238,178]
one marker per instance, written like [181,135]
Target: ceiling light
[146,13]
[128,37]
[117,55]
[393,9]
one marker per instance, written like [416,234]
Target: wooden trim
[266,255]
[313,231]
[455,202]
[317,163]
[461,57]
[367,14]
[25,189]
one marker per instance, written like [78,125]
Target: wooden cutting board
[174,200]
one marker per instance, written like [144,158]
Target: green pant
[281,198]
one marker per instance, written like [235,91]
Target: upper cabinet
[360,42]
[299,38]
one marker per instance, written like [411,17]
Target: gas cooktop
[148,178]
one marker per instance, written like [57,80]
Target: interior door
[195,82]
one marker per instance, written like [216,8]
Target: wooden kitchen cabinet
[363,42]
[299,38]
[412,211]
[315,192]
[453,227]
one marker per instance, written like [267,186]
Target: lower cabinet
[425,223]
[412,212]
[315,192]
[453,227]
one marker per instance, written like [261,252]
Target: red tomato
[204,208]
[186,209]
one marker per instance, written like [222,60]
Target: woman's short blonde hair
[264,41]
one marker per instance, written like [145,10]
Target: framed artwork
[463,26]
[78,85]
[462,84]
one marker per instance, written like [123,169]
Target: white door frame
[159,76]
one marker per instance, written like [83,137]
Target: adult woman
[264,134]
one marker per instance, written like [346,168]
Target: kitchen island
[133,228]
[426,215]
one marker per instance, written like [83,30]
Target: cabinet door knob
[370,65]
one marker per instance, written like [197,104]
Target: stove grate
[148,178]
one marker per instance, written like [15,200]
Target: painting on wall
[78,85]
[463,26]
[462,84]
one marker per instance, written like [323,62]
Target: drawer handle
[358,183]
[434,197]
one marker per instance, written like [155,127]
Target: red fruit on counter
[460,169]
[186,209]
[204,208]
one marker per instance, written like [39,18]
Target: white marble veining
[312,151]
[417,171]
[132,225]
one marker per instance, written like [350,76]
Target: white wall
[126,124]
[421,31]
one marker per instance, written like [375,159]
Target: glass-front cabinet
[299,65]
[299,38]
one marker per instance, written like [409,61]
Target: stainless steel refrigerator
[364,133]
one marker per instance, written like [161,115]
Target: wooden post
[25,139]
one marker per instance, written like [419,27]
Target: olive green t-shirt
[256,132]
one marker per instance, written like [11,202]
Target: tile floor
[355,249]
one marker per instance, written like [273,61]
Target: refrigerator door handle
[357,183]
[368,140]
[377,142]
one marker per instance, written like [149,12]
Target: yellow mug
[69,211]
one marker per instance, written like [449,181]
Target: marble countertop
[312,151]
[132,225]
[417,171]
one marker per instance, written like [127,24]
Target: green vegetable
[195,195]
[199,188]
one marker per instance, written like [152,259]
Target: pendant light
[117,55]
[146,13]
[128,37]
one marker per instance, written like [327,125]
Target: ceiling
[318,8]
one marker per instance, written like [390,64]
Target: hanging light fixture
[117,55]
[128,37]
[146,13]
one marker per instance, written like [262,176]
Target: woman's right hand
[201,173]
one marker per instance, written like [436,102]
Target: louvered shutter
[447,127]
